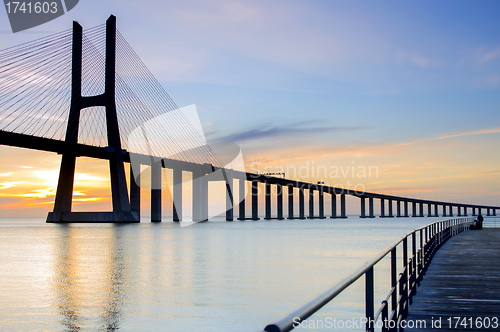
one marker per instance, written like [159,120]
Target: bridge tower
[122,211]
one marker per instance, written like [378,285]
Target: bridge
[57,91]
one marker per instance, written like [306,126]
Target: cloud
[268,130]
[475,132]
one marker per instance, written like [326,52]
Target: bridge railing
[417,250]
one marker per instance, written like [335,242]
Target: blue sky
[336,82]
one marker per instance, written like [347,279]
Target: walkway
[463,281]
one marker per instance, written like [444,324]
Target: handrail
[403,288]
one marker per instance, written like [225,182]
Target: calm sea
[213,276]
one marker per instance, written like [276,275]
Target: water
[214,276]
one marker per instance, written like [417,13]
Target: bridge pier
[370,207]
[229,181]
[290,202]
[301,203]
[414,209]
[177,194]
[429,210]
[321,203]
[334,205]
[421,205]
[135,193]
[363,207]
[406,209]
[156,172]
[280,201]
[342,206]
[451,210]
[311,203]
[255,200]
[268,201]
[382,208]
[391,215]
[436,212]
[398,209]
[242,198]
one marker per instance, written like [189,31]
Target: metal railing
[491,222]
[418,248]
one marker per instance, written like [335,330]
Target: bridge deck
[463,281]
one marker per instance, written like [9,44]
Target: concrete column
[370,207]
[311,203]
[241,196]
[382,208]
[479,211]
[268,201]
[406,209]
[280,201]
[334,206]
[229,194]
[451,211]
[421,209]
[301,203]
[156,192]
[429,210]
[436,212]
[321,203]
[177,204]
[445,213]
[343,213]
[398,209]
[255,200]
[391,215]
[204,198]
[474,211]
[363,207]
[414,209]
[459,210]
[488,212]
[290,202]
[465,211]
[135,193]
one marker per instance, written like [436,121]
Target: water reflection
[88,273]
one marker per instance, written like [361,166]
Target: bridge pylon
[122,211]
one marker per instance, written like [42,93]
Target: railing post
[369,298]
[394,281]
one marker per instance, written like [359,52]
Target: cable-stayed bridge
[87,94]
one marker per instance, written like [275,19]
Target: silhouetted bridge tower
[95,78]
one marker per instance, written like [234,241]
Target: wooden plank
[463,281]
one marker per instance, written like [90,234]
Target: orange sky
[460,167]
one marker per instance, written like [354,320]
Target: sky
[410,89]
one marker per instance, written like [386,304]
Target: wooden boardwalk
[463,281]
